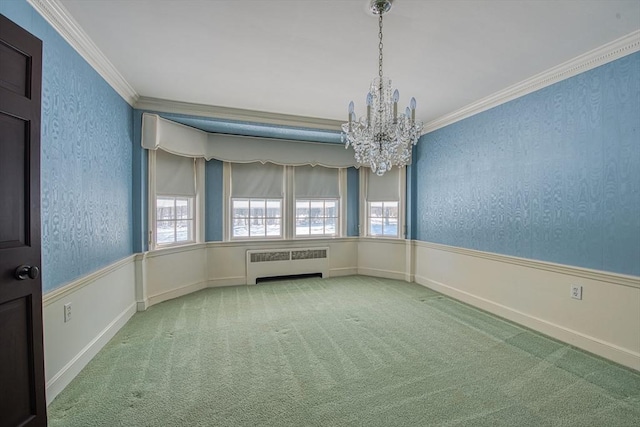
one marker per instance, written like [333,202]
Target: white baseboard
[62,378]
[227,281]
[343,271]
[175,293]
[142,305]
[378,272]
[577,339]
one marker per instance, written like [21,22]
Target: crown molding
[604,54]
[58,16]
[236,114]
[62,21]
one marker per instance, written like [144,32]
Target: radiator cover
[284,262]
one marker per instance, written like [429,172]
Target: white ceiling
[311,57]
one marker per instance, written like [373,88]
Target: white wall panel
[174,272]
[344,257]
[226,262]
[101,303]
[537,295]
[383,258]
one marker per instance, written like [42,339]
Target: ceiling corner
[60,19]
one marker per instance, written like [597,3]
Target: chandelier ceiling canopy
[383,138]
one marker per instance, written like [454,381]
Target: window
[383,219]
[384,203]
[174,196]
[174,220]
[316,217]
[256,217]
[269,201]
[256,203]
[317,195]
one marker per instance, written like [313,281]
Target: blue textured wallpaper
[214,201]
[353,201]
[86,160]
[552,176]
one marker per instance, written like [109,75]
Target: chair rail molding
[601,276]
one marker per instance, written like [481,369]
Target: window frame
[288,219]
[197,205]
[191,209]
[364,206]
[337,217]
[231,216]
[383,217]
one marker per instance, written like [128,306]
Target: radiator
[285,262]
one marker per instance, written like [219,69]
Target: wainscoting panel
[383,258]
[532,293]
[174,272]
[538,295]
[101,303]
[226,261]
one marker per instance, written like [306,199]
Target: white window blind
[256,180]
[316,182]
[384,188]
[175,175]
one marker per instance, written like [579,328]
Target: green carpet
[354,351]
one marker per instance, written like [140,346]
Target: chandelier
[383,138]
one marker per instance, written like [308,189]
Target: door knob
[25,272]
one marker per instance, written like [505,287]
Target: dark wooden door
[22,385]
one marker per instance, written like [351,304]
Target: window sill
[317,236]
[181,247]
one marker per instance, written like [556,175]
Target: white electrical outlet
[67,312]
[576,292]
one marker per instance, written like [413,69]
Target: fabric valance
[182,140]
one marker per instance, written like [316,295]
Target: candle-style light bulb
[369,102]
[412,104]
[396,97]
[351,114]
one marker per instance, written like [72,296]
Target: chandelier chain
[380,45]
